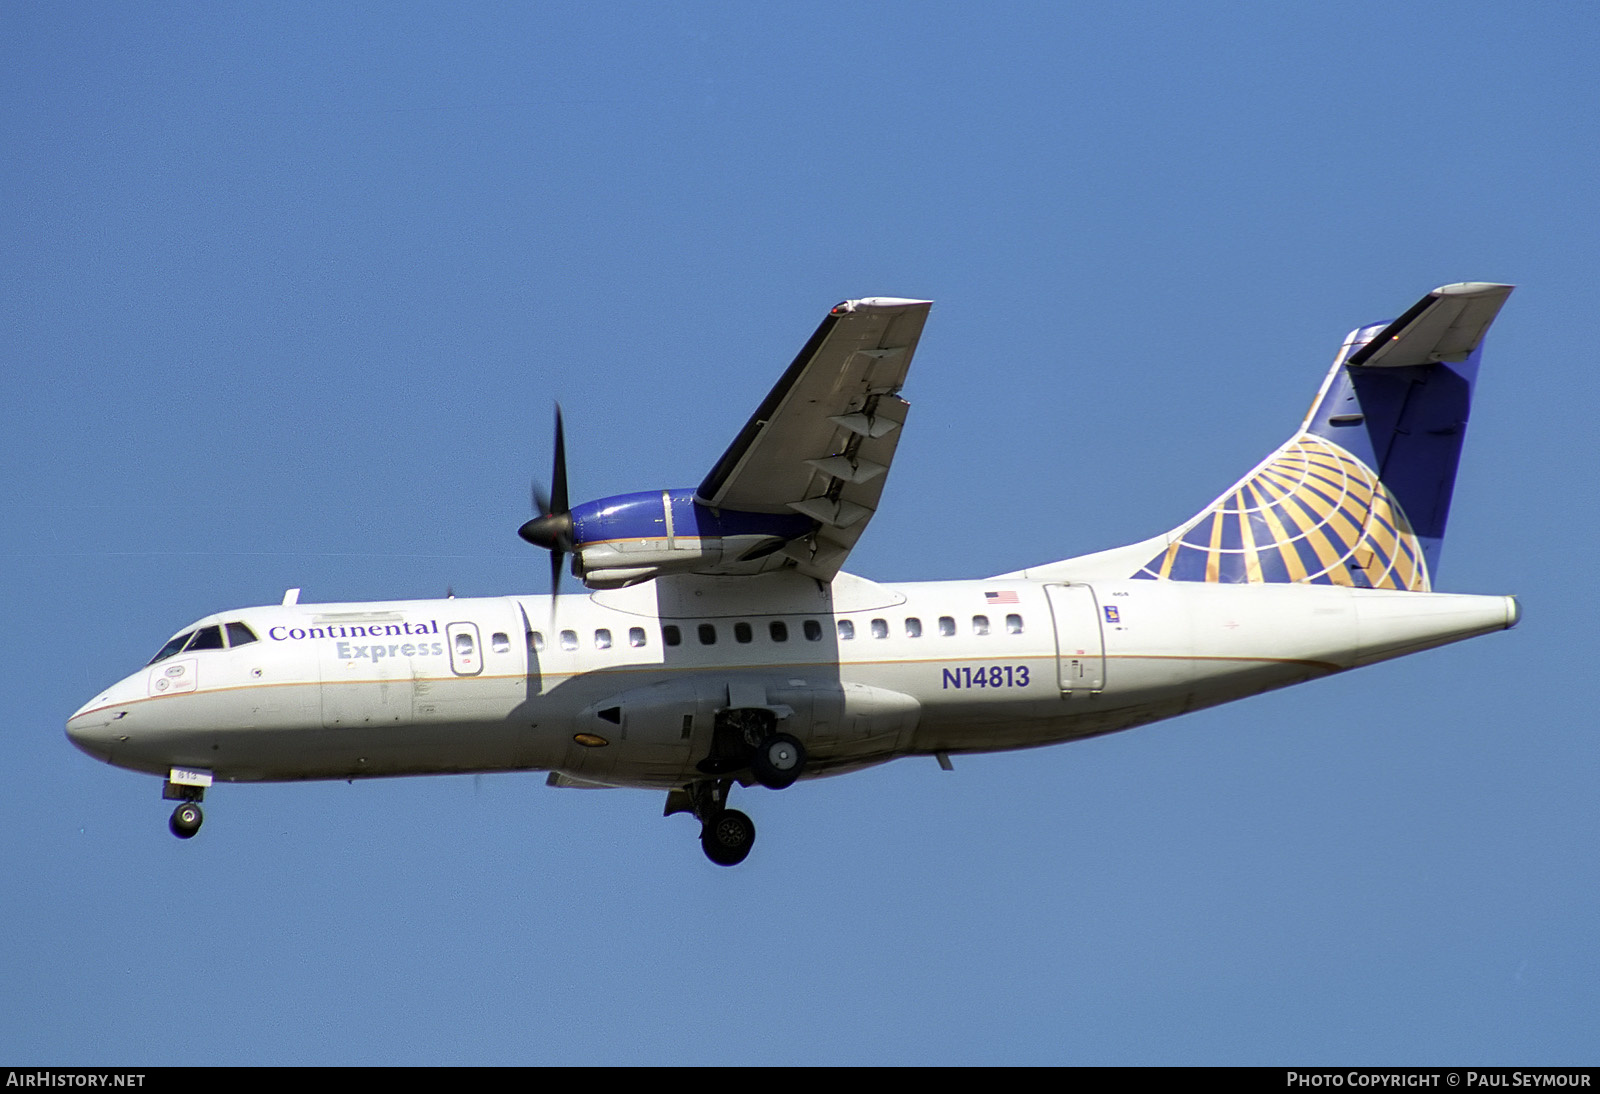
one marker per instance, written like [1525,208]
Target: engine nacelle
[630,538]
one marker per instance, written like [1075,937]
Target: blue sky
[288,293]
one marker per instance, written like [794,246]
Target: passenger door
[1080,644]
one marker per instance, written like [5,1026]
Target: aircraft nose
[92,728]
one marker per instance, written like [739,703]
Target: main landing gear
[748,737]
[742,739]
[726,835]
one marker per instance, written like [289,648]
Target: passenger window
[980,624]
[172,647]
[206,638]
[569,640]
[708,634]
[240,635]
[670,635]
[913,627]
[813,630]
[847,630]
[500,641]
[602,639]
[536,641]
[464,644]
[880,628]
[635,636]
[779,630]
[1013,624]
[741,632]
[947,626]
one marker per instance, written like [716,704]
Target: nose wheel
[187,787]
[186,820]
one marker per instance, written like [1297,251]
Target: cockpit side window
[206,638]
[172,647]
[239,634]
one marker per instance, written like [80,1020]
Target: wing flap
[822,441]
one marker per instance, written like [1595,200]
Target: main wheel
[778,762]
[186,820]
[727,837]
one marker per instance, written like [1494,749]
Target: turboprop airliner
[718,644]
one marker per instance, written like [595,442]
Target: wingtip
[878,302]
[1473,288]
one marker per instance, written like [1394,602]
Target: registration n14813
[986,676]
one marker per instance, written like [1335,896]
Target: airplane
[720,644]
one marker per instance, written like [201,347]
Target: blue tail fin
[1360,495]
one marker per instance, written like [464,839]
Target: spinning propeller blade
[552,527]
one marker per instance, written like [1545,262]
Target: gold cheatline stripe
[1313,535]
[1382,533]
[1346,529]
[1247,540]
[1281,481]
[1292,564]
[1214,546]
[1172,554]
[1379,540]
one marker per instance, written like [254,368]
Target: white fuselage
[859,672]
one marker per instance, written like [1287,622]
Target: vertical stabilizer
[1360,495]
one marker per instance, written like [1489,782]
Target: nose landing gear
[187,787]
[186,820]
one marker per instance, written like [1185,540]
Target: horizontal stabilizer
[1445,325]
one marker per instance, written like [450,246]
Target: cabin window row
[879,628]
[743,632]
[603,639]
[777,631]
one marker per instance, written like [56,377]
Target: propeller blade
[551,526]
[558,485]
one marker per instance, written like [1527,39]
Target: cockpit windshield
[207,638]
[172,647]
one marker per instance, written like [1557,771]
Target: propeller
[552,528]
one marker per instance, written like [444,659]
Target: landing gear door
[1080,645]
[466,653]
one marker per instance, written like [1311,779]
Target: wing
[822,440]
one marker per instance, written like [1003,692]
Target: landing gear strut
[726,835]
